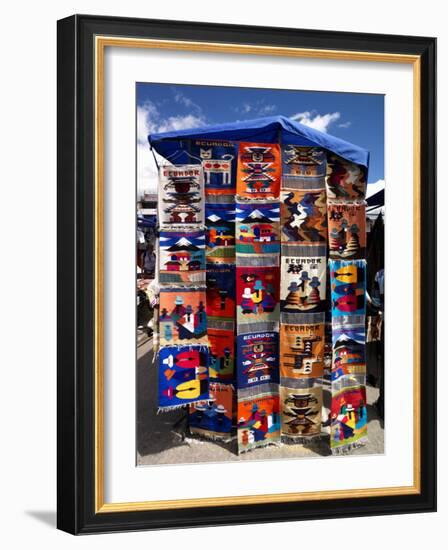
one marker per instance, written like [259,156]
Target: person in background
[375,333]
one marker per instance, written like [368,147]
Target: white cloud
[345,124]
[182,99]
[149,120]
[257,108]
[315,120]
[267,110]
[180,123]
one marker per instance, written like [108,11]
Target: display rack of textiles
[262,271]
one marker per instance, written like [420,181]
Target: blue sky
[358,118]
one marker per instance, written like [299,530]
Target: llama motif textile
[304,216]
[181,195]
[347,229]
[258,416]
[257,359]
[303,167]
[218,160]
[303,279]
[183,318]
[183,376]
[182,256]
[220,223]
[345,180]
[259,171]
[213,418]
[302,350]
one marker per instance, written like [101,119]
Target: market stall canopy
[377,199]
[274,129]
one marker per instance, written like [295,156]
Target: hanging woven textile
[218,159]
[303,167]
[302,347]
[220,225]
[213,418]
[257,298]
[347,229]
[183,318]
[345,180]
[258,417]
[304,219]
[181,195]
[257,359]
[181,255]
[259,171]
[258,233]
[183,376]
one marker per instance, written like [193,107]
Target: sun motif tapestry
[259,171]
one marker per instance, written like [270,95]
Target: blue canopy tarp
[274,129]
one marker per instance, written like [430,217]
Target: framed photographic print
[246,274]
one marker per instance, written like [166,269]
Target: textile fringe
[346,449]
[187,228]
[212,198]
[296,182]
[182,286]
[250,260]
[307,318]
[180,406]
[305,440]
[260,326]
[220,323]
[263,446]
[345,202]
[215,382]
[203,348]
[174,279]
[256,200]
[227,438]
[304,251]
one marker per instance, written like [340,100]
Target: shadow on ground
[155,432]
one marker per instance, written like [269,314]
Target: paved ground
[160,438]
